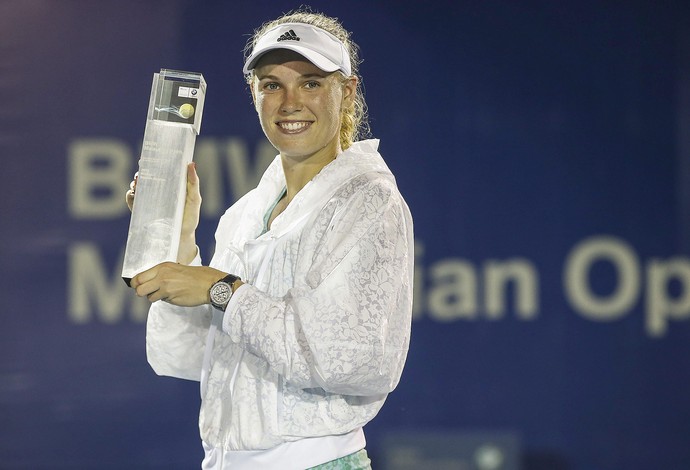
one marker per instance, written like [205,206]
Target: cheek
[332,105]
[260,104]
[337,98]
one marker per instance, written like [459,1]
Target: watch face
[220,293]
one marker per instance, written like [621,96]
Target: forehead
[286,57]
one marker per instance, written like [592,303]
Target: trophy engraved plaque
[172,124]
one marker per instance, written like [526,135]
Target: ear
[349,91]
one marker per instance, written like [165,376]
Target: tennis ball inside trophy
[186,111]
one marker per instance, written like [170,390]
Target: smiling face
[299,105]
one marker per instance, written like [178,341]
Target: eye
[270,86]
[311,84]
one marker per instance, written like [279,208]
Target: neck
[299,172]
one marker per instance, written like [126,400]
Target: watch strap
[229,279]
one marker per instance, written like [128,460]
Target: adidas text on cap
[319,47]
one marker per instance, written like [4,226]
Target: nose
[291,101]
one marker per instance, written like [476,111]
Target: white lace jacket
[318,336]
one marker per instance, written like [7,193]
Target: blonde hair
[354,125]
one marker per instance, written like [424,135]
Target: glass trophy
[172,124]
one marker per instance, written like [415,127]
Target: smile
[293,126]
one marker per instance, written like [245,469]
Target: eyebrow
[305,76]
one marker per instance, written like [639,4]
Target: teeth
[293,126]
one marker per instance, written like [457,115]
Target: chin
[294,148]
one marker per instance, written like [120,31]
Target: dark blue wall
[543,148]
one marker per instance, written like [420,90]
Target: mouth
[293,127]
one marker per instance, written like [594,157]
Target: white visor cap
[319,47]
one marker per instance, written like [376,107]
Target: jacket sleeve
[346,327]
[175,338]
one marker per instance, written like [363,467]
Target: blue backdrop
[543,148]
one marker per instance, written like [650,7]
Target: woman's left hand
[186,286]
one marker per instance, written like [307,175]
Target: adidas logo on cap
[289,36]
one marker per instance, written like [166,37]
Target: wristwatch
[221,291]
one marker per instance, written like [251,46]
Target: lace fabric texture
[318,336]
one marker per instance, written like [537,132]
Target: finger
[148,290]
[133,183]
[144,277]
[155,296]
[153,289]
[129,195]
[192,181]
[192,176]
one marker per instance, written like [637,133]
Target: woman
[299,328]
